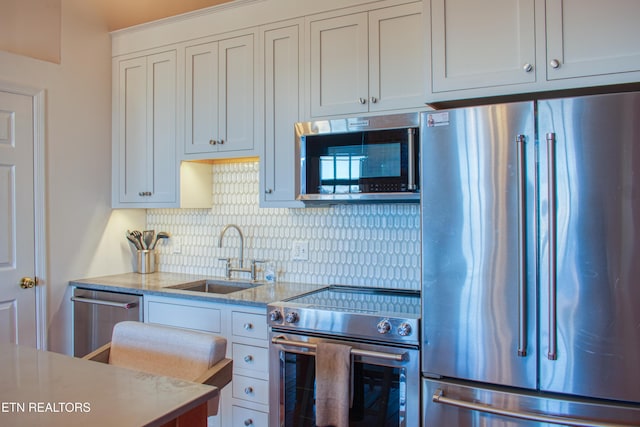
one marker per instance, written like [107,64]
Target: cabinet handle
[248,358]
[248,422]
[527,68]
[362,101]
[248,390]
[373,99]
[145,193]
[554,63]
[248,326]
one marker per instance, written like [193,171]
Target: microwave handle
[411,182]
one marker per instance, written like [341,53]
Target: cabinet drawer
[243,417]
[251,389]
[250,357]
[249,325]
[184,316]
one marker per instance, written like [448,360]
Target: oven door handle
[354,351]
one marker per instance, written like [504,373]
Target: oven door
[386,383]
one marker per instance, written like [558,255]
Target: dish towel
[333,384]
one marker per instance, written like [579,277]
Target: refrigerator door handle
[522,285]
[439,397]
[551,165]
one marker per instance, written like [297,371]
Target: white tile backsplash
[362,244]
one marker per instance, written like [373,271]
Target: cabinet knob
[221,142]
[362,101]
[554,63]
[248,326]
[268,191]
[248,422]
[373,99]
[527,68]
[212,142]
[248,358]
[248,390]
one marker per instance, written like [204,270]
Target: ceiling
[126,13]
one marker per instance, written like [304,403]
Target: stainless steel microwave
[364,159]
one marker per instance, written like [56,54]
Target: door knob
[27,283]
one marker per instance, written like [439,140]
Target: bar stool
[164,350]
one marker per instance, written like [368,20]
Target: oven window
[379,393]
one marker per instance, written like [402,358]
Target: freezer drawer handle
[439,397]
[355,352]
[125,305]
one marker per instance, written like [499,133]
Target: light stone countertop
[42,388]
[159,283]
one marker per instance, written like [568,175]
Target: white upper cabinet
[368,61]
[396,57]
[219,98]
[504,47]
[146,172]
[482,43]
[592,37]
[145,130]
[282,80]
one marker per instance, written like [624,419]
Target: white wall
[85,237]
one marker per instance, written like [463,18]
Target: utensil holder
[145,261]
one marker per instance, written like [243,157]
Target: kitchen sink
[215,286]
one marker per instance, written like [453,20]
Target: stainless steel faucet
[228,268]
[241,254]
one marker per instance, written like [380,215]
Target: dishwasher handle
[124,305]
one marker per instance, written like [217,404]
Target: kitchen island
[44,388]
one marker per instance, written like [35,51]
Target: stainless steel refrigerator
[531,263]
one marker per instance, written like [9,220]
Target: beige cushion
[165,350]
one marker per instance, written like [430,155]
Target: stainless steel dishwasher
[96,312]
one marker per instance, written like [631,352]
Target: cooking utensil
[133,240]
[159,236]
[138,236]
[148,236]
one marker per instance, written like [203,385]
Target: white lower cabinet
[243,417]
[244,402]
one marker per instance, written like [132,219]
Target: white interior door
[17,226]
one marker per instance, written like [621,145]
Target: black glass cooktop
[376,301]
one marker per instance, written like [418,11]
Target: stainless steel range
[382,328]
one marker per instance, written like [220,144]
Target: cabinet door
[282,80]
[396,58]
[146,129]
[132,159]
[235,90]
[201,98]
[339,65]
[592,37]
[482,44]
[161,122]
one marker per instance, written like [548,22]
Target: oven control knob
[404,329]
[292,317]
[384,327]
[275,315]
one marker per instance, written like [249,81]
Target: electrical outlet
[300,251]
[176,247]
